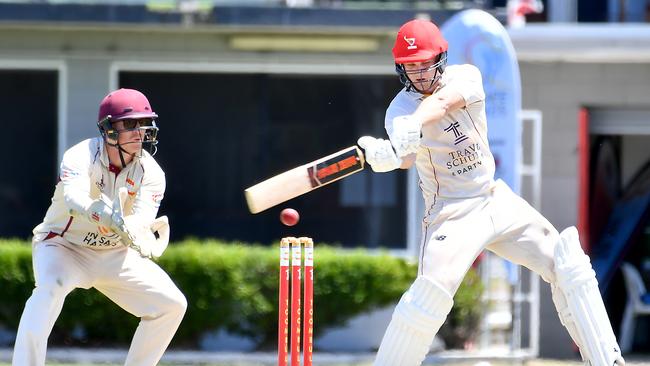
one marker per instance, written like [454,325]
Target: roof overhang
[582,43]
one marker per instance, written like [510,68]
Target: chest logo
[458,135]
[100,184]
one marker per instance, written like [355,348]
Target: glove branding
[95,216]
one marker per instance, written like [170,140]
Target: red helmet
[125,104]
[418,41]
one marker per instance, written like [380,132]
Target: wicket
[292,248]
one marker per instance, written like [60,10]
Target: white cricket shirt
[454,158]
[85,175]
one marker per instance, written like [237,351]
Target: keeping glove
[105,213]
[406,135]
[143,237]
[379,154]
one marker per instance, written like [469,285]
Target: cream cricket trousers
[456,231]
[136,284]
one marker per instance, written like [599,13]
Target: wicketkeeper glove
[139,234]
[150,240]
[105,213]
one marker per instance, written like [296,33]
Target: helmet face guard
[146,127]
[407,77]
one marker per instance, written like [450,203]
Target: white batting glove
[143,235]
[379,154]
[406,135]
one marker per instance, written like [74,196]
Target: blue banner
[476,37]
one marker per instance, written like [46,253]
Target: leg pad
[417,318]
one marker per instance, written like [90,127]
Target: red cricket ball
[289,216]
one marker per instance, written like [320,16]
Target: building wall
[92,57]
[559,90]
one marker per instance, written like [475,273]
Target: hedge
[233,286]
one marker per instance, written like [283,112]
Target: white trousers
[454,234]
[456,231]
[136,284]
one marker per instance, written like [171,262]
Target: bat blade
[303,179]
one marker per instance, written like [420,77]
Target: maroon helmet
[123,104]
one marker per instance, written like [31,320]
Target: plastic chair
[636,294]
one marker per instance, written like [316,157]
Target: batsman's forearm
[430,111]
[407,161]
[81,205]
[435,107]
[77,200]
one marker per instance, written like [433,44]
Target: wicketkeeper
[438,122]
[101,231]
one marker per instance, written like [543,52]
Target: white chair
[635,305]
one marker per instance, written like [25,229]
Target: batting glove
[379,154]
[406,135]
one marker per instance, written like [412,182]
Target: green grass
[537,362]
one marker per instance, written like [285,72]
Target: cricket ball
[289,216]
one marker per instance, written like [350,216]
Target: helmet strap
[121,152]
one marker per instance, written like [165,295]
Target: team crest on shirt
[100,184]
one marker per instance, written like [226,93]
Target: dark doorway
[221,133]
[28,99]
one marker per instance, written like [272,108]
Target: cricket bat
[303,179]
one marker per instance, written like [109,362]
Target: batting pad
[565,317]
[586,311]
[417,318]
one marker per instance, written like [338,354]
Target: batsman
[438,122]
[101,231]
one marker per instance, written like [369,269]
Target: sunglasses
[130,124]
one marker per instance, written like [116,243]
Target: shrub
[232,286]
